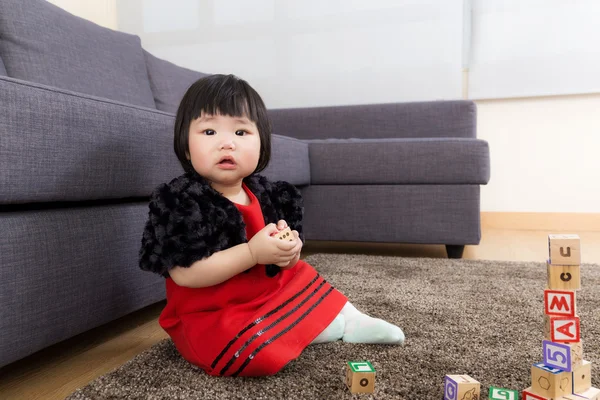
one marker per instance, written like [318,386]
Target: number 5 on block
[503,394]
[562,356]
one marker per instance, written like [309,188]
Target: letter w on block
[559,302]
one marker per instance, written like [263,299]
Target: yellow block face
[564,249]
[576,354]
[565,277]
[582,377]
[360,382]
[550,382]
[461,387]
[286,234]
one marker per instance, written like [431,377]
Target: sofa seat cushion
[42,43]
[169,82]
[2,68]
[399,161]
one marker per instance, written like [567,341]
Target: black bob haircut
[224,95]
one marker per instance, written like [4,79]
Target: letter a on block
[565,329]
[559,302]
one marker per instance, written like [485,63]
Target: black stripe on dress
[235,357]
[259,320]
[266,343]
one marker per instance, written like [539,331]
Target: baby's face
[215,137]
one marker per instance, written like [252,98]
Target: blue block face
[545,367]
[450,389]
[557,355]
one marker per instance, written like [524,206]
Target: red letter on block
[565,330]
[527,395]
[559,302]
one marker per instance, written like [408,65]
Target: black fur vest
[189,220]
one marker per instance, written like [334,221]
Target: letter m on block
[559,302]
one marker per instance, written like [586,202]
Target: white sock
[333,332]
[360,328]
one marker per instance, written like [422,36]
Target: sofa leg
[455,250]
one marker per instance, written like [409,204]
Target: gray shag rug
[480,318]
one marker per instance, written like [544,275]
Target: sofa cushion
[399,161]
[42,43]
[2,68]
[289,161]
[169,82]
[419,119]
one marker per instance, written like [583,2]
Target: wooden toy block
[502,394]
[564,277]
[550,383]
[360,377]
[528,394]
[564,356]
[582,377]
[461,387]
[564,249]
[590,394]
[559,303]
[285,234]
[565,329]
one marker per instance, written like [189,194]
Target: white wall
[525,48]
[545,151]
[311,52]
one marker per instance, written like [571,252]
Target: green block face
[503,394]
[361,366]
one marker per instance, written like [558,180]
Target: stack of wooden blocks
[563,374]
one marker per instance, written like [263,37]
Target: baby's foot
[361,328]
[333,332]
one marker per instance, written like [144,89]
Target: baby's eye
[240,132]
[209,132]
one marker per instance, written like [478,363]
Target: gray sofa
[86,121]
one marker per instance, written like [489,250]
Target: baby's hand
[296,250]
[266,249]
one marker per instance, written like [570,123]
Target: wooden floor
[56,372]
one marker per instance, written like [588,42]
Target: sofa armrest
[58,145]
[432,119]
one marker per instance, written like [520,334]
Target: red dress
[251,324]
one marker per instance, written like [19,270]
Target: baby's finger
[281,224]
[298,247]
[271,229]
[286,245]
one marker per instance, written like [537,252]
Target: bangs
[230,97]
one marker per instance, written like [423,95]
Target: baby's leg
[333,332]
[360,328]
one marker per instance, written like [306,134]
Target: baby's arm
[215,269]
[224,264]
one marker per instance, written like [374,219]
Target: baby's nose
[228,144]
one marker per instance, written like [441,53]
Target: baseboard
[558,222]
